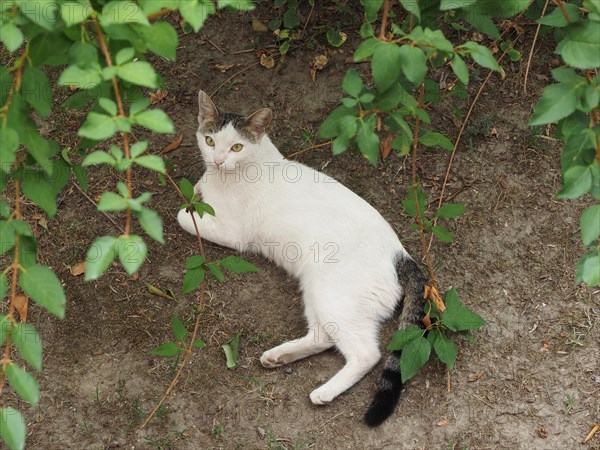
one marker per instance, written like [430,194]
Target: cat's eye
[210,141]
[237,147]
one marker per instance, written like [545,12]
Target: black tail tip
[381,408]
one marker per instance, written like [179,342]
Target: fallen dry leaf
[494,132]
[592,433]
[21,304]
[386,146]
[443,423]
[224,67]
[173,145]
[159,292]
[78,269]
[542,432]
[267,61]
[157,96]
[477,37]
[42,221]
[476,376]
[258,26]
[317,64]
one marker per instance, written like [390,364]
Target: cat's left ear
[258,121]
[207,111]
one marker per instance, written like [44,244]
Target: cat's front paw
[322,395]
[270,360]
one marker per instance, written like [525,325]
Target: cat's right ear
[207,111]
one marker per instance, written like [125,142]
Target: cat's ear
[207,111]
[258,121]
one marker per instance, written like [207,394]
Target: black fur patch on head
[223,119]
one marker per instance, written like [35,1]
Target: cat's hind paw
[322,395]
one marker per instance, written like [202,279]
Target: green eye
[237,147]
[210,141]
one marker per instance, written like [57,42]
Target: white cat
[352,268]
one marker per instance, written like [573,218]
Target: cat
[353,270]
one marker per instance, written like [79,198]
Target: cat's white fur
[265,202]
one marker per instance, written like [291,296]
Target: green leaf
[482,56]
[557,101]
[125,55]
[404,336]
[186,189]
[80,78]
[178,329]
[590,224]
[152,224]
[7,236]
[451,210]
[27,340]
[111,201]
[199,343]
[37,90]
[231,349]
[168,349]
[446,350]
[335,38]
[368,141]
[557,19]
[329,127]
[122,11]
[588,269]
[98,157]
[592,5]
[194,261]
[446,5]
[24,384]
[13,429]
[236,5]
[577,181]
[459,318]
[44,287]
[41,12]
[160,38]
[192,279]
[98,127]
[386,65]
[215,270]
[3,286]
[155,120]
[371,8]
[132,252]
[11,36]
[21,227]
[74,12]
[409,203]
[37,188]
[202,208]
[442,234]
[340,145]
[195,12]
[414,63]
[434,139]
[460,69]
[152,162]
[108,105]
[100,255]
[352,83]
[414,355]
[140,73]
[236,264]
[9,143]
[366,49]
[581,46]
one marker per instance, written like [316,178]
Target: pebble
[289,370]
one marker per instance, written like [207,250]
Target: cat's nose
[218,162]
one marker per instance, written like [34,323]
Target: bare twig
[537,30]
[233,76]
[307,149]
[384,18]
[91,200]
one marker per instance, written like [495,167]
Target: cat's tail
[412,281]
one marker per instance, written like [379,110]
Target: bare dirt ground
[530,381]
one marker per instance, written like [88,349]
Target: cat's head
[229,140]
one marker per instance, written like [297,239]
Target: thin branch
[188,350]
[307,149]
[537,30]
[115,84]
[16,84]
[561,6]
[384,18]
[233,76]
